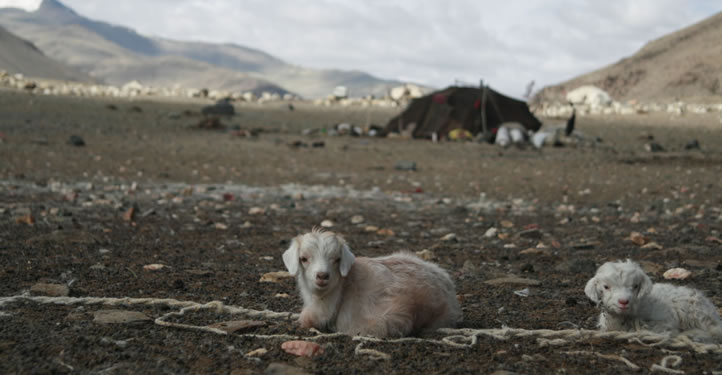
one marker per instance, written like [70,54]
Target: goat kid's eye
[606,287]
[303,259]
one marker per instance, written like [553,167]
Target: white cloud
[505,43]
[28,5]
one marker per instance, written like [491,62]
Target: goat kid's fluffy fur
[631,302]
[391,296]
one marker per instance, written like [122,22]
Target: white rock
[397,93]
[590,95]
[676,273]
[340,92]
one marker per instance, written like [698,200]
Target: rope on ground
[646,338]
[664,365]
[456,338]
[372,353]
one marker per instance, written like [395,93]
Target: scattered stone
[513,280]
[405,165]
[257,352]
[638,238]
[714,239]
[76,140]
[533,233]
[153,267]
[450,237]
[426,254]
[26,219]
[371,228]
[522,293]
[507,224]
[256,211]
[534,251]
[327,224]
[676,273]
[274,277]
[232,326]
[283,369]
[357,219]
[302,348]
[119,317]
[282,295]
[220,226]
[385,232]
[491,232]
[652,246]
[51,290]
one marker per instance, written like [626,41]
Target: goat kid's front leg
[313,318]
[388,325]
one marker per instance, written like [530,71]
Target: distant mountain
[118,54]
[20,56]
[686,64]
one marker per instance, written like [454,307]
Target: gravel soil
[218,207]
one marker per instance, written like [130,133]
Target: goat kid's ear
[646,286]
[290,256]
[591,289]
[347,259]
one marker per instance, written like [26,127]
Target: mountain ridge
[119,54]
[685,64]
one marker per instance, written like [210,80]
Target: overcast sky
[507,43]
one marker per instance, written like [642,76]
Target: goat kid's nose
[623,302]
[322,275]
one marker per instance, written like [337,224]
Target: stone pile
[591,100]
[396,97]
[678,108]
[131,89]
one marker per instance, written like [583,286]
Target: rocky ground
[153,207]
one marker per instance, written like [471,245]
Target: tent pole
[484,129]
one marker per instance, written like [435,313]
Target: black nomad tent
[477,110]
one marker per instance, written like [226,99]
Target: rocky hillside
[20,56]
[684,65]
[116,55]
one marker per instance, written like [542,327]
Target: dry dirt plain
[217,210]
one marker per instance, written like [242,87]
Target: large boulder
[590,95]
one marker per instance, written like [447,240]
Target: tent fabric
[460,108]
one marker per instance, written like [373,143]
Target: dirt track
[195,190]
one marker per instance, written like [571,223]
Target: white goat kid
[631,302]
[390,296]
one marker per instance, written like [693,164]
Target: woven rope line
[457,338]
